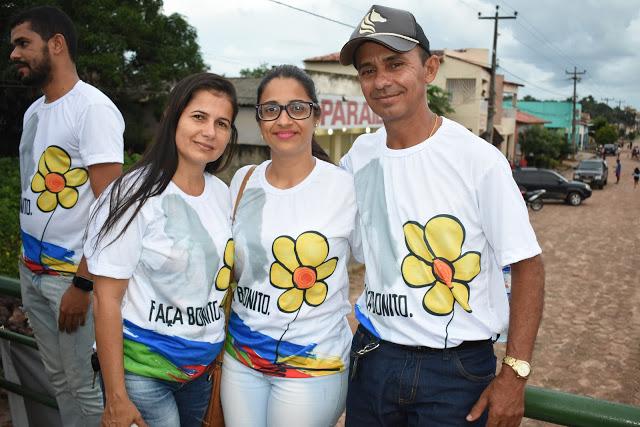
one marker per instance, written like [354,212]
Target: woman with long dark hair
[159,245]
[287,349]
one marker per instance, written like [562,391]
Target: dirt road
[589,340]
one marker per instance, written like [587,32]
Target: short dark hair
[424,54]
[47,21]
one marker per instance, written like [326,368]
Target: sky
[548,38]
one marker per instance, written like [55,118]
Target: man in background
[71,149]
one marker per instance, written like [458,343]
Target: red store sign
[350,113]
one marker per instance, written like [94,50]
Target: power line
[313,14]
[532,84]
[539,34]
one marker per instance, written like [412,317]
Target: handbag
[214,416]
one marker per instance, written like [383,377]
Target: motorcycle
[533,198]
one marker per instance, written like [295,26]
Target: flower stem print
[56,182]
[277,355]
[301,268]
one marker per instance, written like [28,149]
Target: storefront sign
[351,112]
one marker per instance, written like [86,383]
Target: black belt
[423,348]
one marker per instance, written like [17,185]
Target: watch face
[523,369]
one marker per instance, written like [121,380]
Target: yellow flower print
[435,260]
[301,266]
[223,279]
[56,181]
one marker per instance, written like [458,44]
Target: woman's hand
[121,412]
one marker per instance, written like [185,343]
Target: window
[461,91]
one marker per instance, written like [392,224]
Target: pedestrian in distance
[71,148]
[440,215]
[618,170]
[636,177]
[287,351]
[159,246]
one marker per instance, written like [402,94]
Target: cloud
[548,37]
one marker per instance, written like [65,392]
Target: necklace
[433,129]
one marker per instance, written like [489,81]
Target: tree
[543,147]
[439,101]
[596,109]
[128,49]
[530,98]
[606,135]
[257,72]
[598,122]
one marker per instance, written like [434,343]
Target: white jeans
[252,399]
[66,357]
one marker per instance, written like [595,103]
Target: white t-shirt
[438,222]
[292,251]
[59,141]
[177,254]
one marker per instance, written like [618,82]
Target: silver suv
[593,171]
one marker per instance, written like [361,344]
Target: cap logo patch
[368,26]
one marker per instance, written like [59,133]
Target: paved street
[589,340]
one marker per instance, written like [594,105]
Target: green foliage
[624,116]
[607,134]
[543,148]
[9,216]
[599,122]
[530,98]
[257,72]
[439,101]
[130,159]
[128,49]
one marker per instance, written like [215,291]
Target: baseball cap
[395,29]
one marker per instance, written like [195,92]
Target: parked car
[556,186]
[610,149]
[592,171]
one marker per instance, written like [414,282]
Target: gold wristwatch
[521,367]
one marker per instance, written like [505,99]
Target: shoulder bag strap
[241,190]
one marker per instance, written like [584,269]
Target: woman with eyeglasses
[159,246]
[287,350]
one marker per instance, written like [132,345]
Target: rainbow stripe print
[170,358]
[274,357]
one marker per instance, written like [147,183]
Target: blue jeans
[395,386]
[66,357]
[169,403]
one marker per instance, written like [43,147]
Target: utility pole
[620,101]
[607,100]
[492,83]
[574,76]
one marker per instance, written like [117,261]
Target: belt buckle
[367,348]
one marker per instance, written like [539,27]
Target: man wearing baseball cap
[440,215]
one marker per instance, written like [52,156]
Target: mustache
[383,93]
[20,63]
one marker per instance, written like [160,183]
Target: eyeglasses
[297,110]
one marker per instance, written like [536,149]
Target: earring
[316,124]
